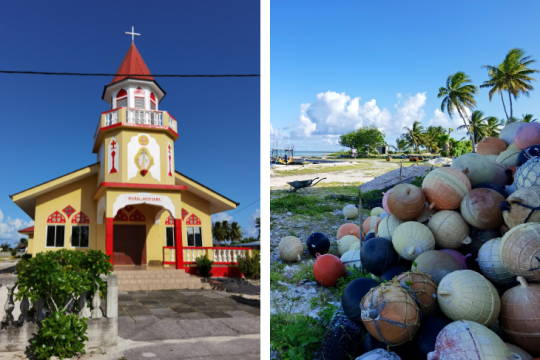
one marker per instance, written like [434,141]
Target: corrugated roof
[133,63]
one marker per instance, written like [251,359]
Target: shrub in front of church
[60,278]
[250,266]
[13,252]
[204,266]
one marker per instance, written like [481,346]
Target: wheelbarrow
[303,184]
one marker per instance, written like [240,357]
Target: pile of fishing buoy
[454,267]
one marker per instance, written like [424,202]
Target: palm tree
[5,246]
[217,231]
[458,95]
[528,118]
[414,135]
[511,75]
[236,231]
[401,145]
[493,126]
[258,226]
[22,241]
[477,126]
[226,228]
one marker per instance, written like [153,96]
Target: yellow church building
[132,203]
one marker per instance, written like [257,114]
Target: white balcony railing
[146,117]
[111,118]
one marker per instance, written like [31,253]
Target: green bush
[250,267]
[19,268]
[60,335]
[13,252]
[295,336]
[59,278]
[26,256]
[204,266]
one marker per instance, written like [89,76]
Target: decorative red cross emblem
[143,140]
[113,144]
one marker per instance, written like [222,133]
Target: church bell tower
[134,140]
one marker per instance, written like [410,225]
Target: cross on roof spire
[132,33]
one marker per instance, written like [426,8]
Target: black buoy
[392,272]
[378,255]
[501,189]
[527,154]
[369,343]
[424,340]
[318,243]
[352,296]
[370,235]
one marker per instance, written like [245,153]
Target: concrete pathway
[181,324]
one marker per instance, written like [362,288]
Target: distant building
[383,150]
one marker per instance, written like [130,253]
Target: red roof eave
[28,230]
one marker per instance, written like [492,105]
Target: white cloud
[442,119]
[277,134]
[332,114]
[251,230]
[9,227]
[220,217]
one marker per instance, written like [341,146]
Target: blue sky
[48,122]
[393,56]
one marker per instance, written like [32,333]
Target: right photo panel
[404,180]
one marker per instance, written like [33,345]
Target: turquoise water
[300,153]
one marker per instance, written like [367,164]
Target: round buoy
[467,295]
[424,288]
[462,259]
[348,229]
[379,354]
[387,226]
[476,167]
[479,238]
[490,263]
[520,315]
[449,229]
[424,341]
[377,255]
[515,214]
[527,135]
[390,314]
[528,174]
[406,202]
[527,154]
[491,146]
[350,212]
[383,215]
[355,246]
[352,297]
[371,224]
[468,340]
[346,242]
[445,188]
[351,259]
[290,248]
[518,353]
[508,132]
[327,269]
[318,243]
[385,201]
[392,272]
[498,188]
[520,251]
[436,264]
[508,157]
[480,208]
[503,174]
[376,211]
[412,239]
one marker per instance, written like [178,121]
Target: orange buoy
[480,208]
[371,224]
[406,202]
[445,188]
[491,146]
[327,269]
[348,229]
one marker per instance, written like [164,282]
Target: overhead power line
[131,75]
[244,208]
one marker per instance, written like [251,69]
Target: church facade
[132,203]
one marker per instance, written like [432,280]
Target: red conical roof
[132,64]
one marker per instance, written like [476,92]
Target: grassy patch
[299,204]
[323,169]
[295,336]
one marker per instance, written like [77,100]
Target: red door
[129,244]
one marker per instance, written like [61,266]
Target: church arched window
[139,98]
[121,98]
[153,102]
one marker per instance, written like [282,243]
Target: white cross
[132,33]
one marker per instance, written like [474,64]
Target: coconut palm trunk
[510,98]
[467,126]
[504,107]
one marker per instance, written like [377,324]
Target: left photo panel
[130,191]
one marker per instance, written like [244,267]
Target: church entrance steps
[136,280]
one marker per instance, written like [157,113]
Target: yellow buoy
[450,229]
[290,248]
[387,226]
[376,211]
[346,242]
[412,239]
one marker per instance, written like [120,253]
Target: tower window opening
[139,103]
[152,101]
[121,99]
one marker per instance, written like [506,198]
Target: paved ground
[181,324]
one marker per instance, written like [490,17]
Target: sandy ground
[365,172]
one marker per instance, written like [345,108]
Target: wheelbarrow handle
[313,184]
